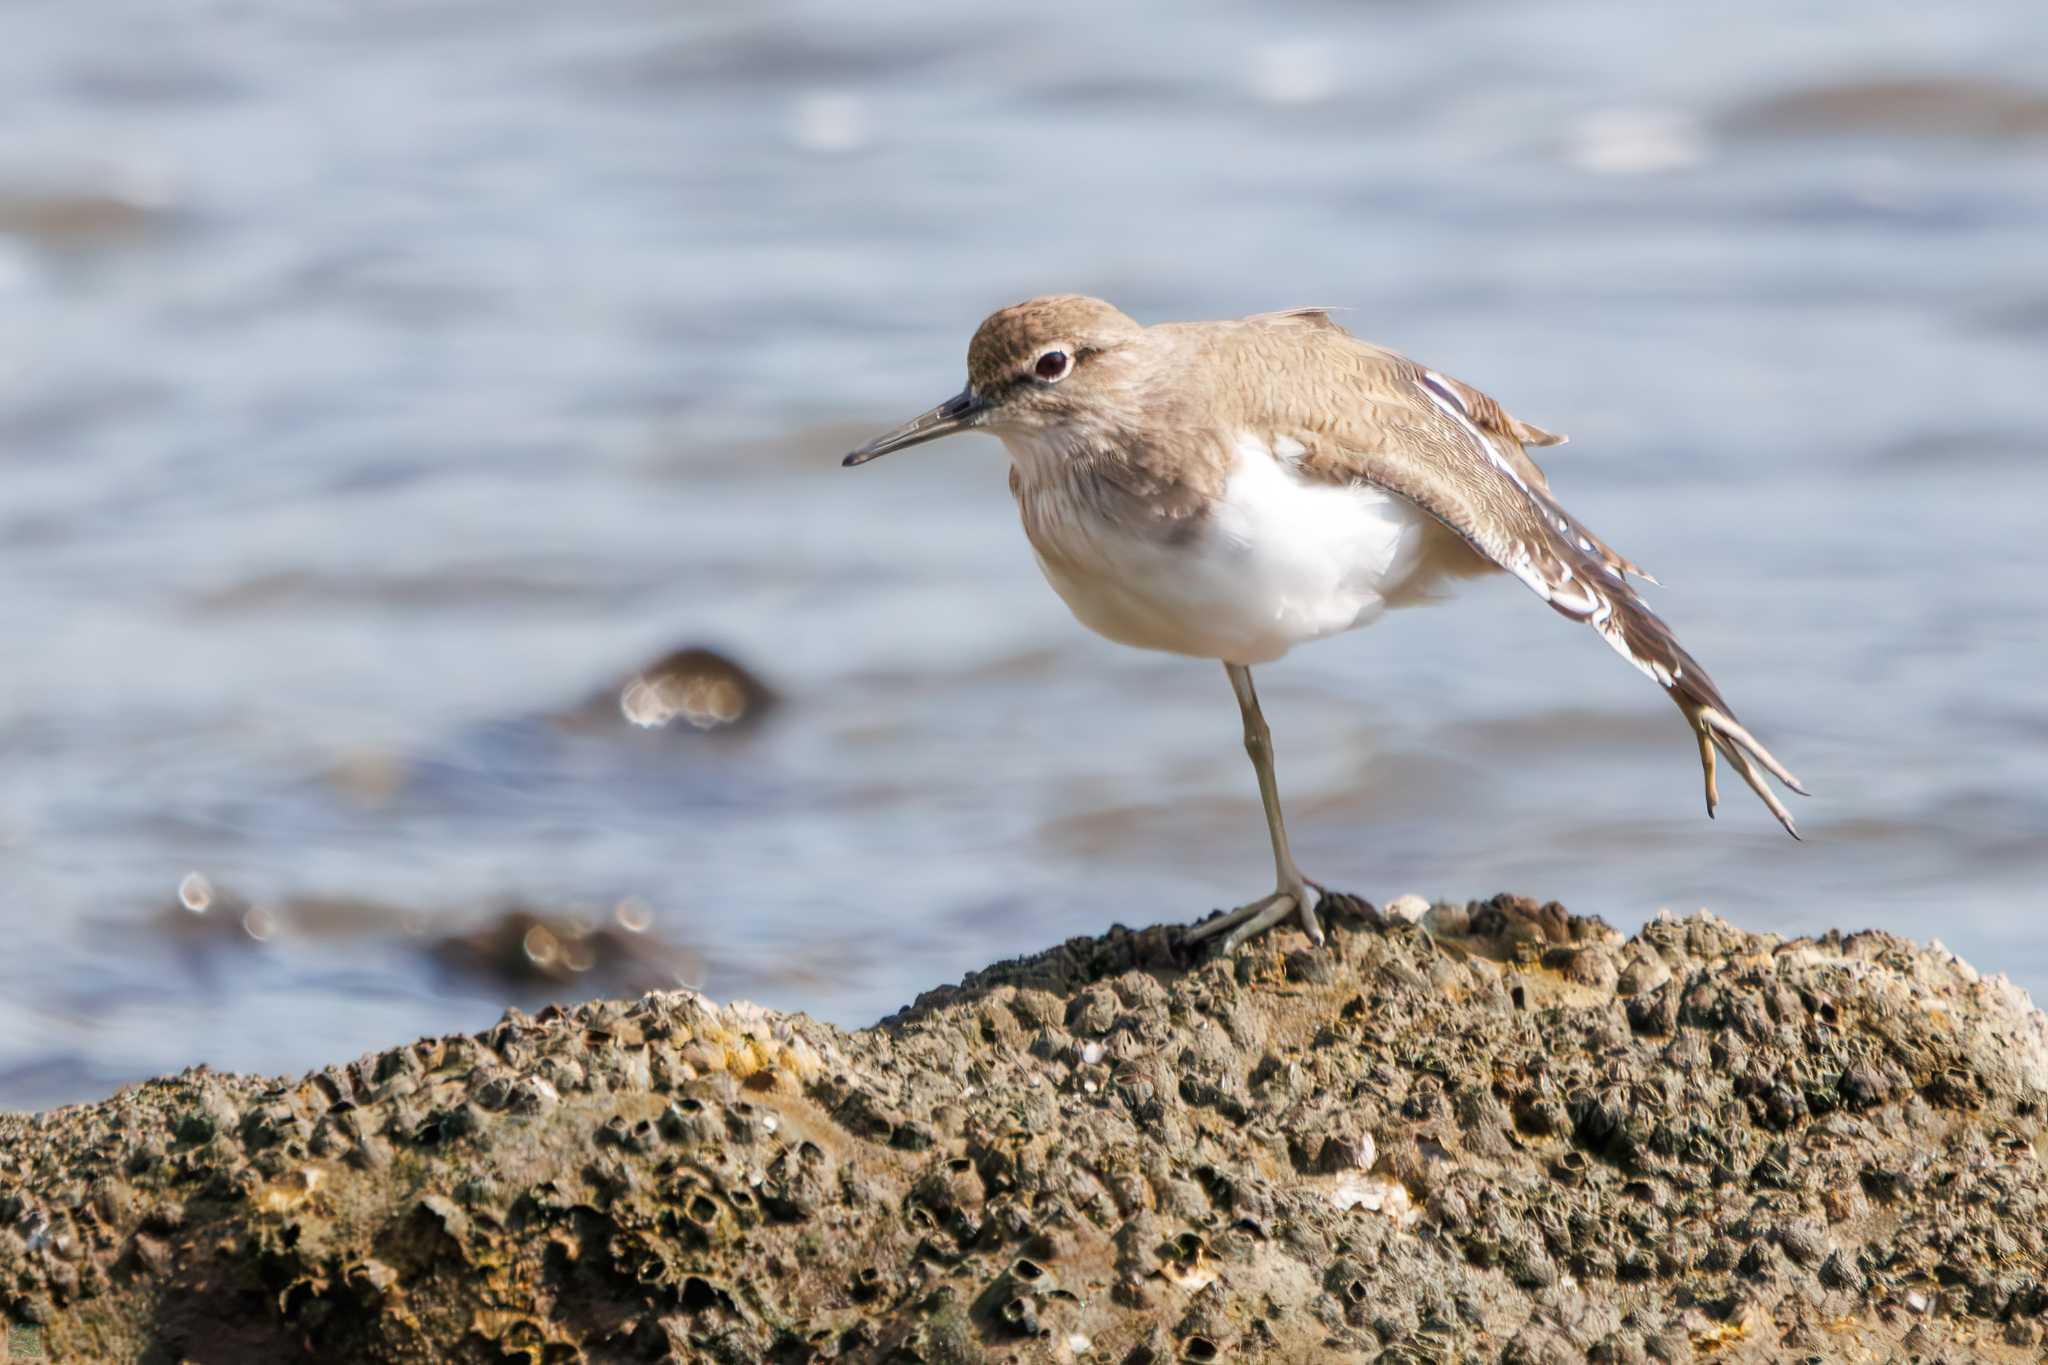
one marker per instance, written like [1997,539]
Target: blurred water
[378,380]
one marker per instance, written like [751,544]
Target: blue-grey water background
[379,380]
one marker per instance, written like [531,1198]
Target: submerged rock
[521,948]
[1911,106]
[1528,1139]
[683,691]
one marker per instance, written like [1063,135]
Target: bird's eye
[1053,366]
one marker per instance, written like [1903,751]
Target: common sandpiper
[1229,490]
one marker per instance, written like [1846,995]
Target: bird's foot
[1296,897]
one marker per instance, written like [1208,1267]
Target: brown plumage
[1365,414]
[1230,489]
[1459,456]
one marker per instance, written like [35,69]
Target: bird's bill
[962,412]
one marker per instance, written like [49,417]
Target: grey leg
[1293,894]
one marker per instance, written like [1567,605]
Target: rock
[1410,907]
[702,688]
[1446,920]
[1645,972]
[1512,1136]
[520,948]
[1911,106]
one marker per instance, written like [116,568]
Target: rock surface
[1490,1132]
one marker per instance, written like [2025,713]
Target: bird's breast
[1265,561]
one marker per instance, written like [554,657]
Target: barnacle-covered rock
[1497,1131]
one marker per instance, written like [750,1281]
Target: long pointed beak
[962,412]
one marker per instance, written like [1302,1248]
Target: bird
[1229,490]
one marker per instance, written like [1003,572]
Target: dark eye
[1053,365]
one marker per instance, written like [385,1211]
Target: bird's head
[1039,364]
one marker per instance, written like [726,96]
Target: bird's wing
[1457,454]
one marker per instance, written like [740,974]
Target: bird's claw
[1248,921]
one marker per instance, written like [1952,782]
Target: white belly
[1279,561]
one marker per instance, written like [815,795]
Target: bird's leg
[1293,895]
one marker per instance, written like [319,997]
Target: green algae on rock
[1490,1132]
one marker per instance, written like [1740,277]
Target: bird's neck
[1058,456]
[1113,479]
